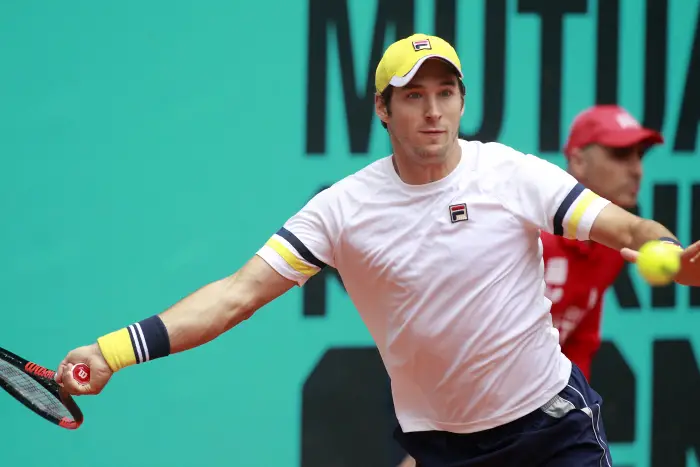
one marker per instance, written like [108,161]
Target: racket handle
[81,373]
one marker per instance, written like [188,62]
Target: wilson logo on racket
[81,373]
[39,370]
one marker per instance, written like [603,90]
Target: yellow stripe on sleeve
[290,258]
[579,210]
[117,349]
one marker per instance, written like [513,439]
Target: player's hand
[99,375]
[689,273]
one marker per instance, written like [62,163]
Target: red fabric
[578,275]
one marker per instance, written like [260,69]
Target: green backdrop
[151,147]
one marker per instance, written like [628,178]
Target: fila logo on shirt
[422,45]
[458,212]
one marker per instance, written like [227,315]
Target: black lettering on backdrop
[347,413]
[623,286]
[494,85]
[315,292]
[655,63]
[359,107]
[608,51]
[552,14]
[446,20]
[625,291]
[695,235]
[665,212]
[676,394]
[687,133]
[614,380]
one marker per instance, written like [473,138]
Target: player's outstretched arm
[221,305]
[193,321]
[624,231]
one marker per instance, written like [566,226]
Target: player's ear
[380,108]
[576,160]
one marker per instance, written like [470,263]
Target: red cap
[609,125]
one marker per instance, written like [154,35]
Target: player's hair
[389,92]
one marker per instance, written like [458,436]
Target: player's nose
[635,167]
[432,109]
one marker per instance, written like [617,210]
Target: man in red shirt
[604,152]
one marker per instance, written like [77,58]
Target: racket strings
[32,391]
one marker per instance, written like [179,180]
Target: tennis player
[604,152]
[439,248]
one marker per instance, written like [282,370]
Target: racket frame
[45,378]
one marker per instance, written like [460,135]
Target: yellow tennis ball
[658,262]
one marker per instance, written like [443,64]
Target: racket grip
[81,373]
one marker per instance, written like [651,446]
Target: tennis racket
[35,387]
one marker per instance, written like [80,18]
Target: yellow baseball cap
[403,58]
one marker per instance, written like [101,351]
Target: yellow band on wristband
[117,349]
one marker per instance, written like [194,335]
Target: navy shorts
[566,432]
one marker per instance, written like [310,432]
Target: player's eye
[446,93]
[413,95]
[623,154]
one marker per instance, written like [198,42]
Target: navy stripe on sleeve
[300,247]
[564,207]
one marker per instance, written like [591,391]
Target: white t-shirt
[448,278]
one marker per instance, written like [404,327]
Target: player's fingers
[65,379]
[59,373]
[692,253]
[629,255]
